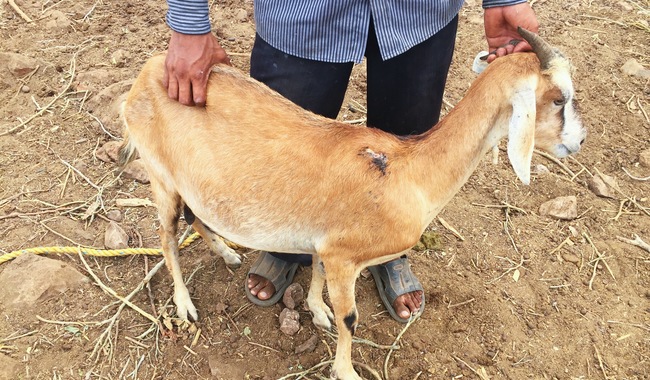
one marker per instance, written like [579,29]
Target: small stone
[222,369]
[308,346]
[289,321]
[114,215]
[633,68]
[293,296]
[25,89]
[109,151]
[644,158]
[115,237]
[603,185]
[541,169]
[29,279]
[563,208]
[136,170]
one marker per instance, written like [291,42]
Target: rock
[114,215]
[541,169]
[293,296]
[29,279]
[25,89]
[9,368]
[222,369]
[17,64]
[308,346]
[289,321]
[564,208]
[603,185]
[633,68]
[109,151]
[115,237]
[644,158]
[136,170]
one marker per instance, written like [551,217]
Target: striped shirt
[333,31]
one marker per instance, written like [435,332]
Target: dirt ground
[523,296]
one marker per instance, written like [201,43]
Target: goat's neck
[456,145]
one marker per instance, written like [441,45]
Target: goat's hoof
[234,266]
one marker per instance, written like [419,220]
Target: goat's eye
[559,102]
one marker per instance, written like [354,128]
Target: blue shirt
[333,31]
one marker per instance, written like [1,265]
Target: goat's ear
[521,132]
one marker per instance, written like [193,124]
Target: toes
[408,303]
[260,287]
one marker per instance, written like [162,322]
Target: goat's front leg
[341,278]
[169,203]
[322,313]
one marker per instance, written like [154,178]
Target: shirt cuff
[188,16]
[500,3]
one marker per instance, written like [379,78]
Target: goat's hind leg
[214,241]
[322,313]
[169,207]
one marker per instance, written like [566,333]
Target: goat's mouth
[564,150]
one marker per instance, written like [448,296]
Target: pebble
[25,89]
[136,170]
[563,208]
[115,237]
[114,215]
[603,185]
[289,321]
[633,68]
[109,151]
[308,346]
[293,296]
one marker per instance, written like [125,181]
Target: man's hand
[501,29]
[187,67]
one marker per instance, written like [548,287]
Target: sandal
[278,271]
[393,279]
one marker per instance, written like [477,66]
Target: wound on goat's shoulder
[378,160]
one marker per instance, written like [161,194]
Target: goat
[268,175]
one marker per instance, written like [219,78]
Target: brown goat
[266,174]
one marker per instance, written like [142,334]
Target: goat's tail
[127,151]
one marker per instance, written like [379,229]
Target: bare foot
[406,304]
[263,288]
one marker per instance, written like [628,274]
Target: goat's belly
[285,240]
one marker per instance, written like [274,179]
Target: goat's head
[547,104]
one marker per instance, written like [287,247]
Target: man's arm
[193,50]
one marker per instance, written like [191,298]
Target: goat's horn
[543,49]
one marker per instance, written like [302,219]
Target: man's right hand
[187,67]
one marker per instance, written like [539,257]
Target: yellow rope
[100,252]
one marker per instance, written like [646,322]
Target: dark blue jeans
[404,93]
